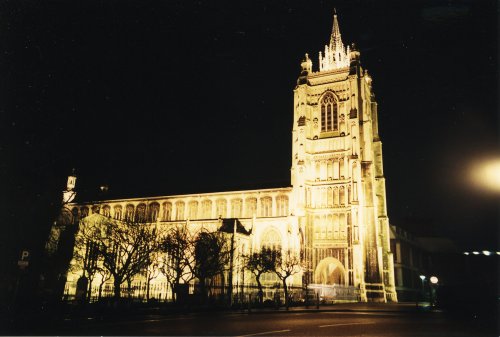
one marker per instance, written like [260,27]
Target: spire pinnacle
[336,55]
[335,38]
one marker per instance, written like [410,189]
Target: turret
[69,193]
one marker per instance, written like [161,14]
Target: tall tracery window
[167,211]
[221,207]
[251,207]
[271,239]
[206,209]
[282,205]
[266,206]
[236,208]
[193,210]
[329,113]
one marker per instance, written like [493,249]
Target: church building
[333,213]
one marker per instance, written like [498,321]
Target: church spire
[335,38]
[336,55]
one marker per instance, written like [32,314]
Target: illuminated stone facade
[334,213]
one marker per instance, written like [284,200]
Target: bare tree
[105,276]
[285,265]
[212,254]
[152,270]
[259,263]
[86,256]
[178,258]
[125,247]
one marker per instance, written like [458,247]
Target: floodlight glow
[434,280]
[422,277]
[487,253]
[486,175]
[466,253]
[475,253]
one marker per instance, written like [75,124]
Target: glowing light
[487,253]
[466,253]
[487,175]
[422,277]
[434,280]
[475,253]
[498,253]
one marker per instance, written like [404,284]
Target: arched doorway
[329,271]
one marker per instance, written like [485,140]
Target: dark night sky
[158,98]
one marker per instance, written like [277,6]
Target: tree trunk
[173,287]
[203,291]
[89,292]
[100,291]
[285,289]
[147,289]
[129,288]
[117,284]
[261,292]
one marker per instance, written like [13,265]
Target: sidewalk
[404,307]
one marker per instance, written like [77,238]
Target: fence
[334,293]
[241,294]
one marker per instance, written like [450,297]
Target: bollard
[249,303]
[317,301]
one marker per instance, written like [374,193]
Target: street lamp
[434,283]
[422,278]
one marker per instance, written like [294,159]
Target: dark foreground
[340,320]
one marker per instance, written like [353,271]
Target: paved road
[283,324]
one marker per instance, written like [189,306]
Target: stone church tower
[337,174]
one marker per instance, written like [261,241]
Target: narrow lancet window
[329,113]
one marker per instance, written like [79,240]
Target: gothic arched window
[282,205]
[140,213]
[179,206]
[251,207]
[118,212]
[167,211]
[236,208]
[221,208]
[106,210]
[271,239]
[266,206]
[193,210]
[206,209]
[153,211]
[129,212]
[329,113]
